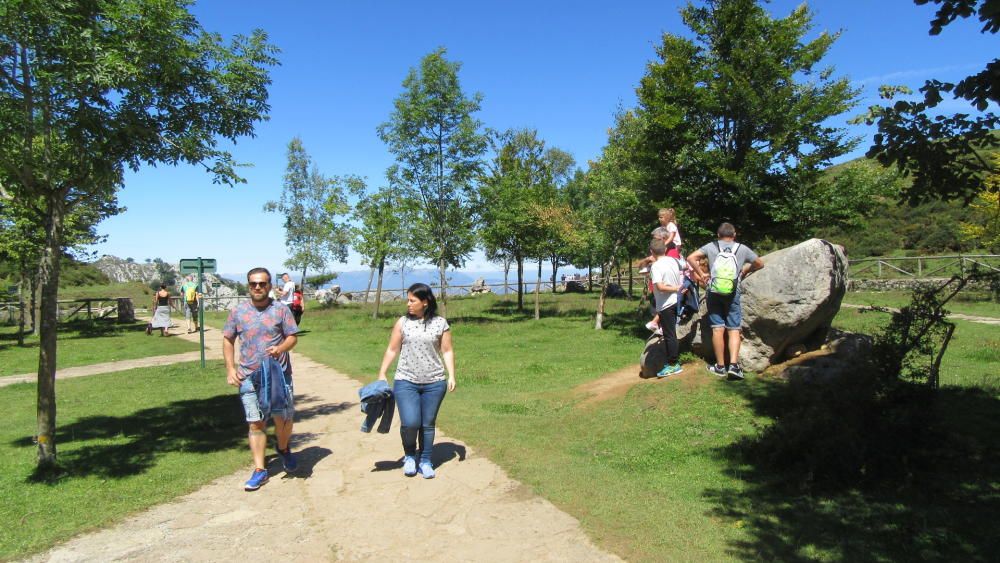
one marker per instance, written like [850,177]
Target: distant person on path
[666,277]
[161,312]
[191,294]
[265,328]
[421,339]
[286,293]
[729,263]
[298,305]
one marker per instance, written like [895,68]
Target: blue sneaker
[255,481]
[288,460]
[409,466]
[427,470]
[669,370]
[719,371]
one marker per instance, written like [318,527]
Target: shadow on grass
[138,439]
[943,508]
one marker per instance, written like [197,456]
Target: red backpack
[297,301]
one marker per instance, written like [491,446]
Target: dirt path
[350,501]
[958,316]
[213,350]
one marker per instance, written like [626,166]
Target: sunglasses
[259,284]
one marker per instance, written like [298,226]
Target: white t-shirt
[672,227]
[665,270]
[289,292]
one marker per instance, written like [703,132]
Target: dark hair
[726,230]
[423,292]
[259,271]
[163,286]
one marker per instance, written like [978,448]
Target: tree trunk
[368,290]
[378,290]
[590,276]
[36,307]
[506,277]
[606,278]
[442,269]
[20,311]
[520,285]
[555,267]
[302,281]
[630,280]
[538,289]
[49,280]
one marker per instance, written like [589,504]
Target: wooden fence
[921,267]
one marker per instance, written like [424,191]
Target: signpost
[200,266]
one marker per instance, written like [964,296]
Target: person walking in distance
[265,328]
[729,263]
[191,293]
[286,293]
[422,340]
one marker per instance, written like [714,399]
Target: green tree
[736,120]
[615,212]
[312,204]
[438,147]
[945,155]
[381,221]
[90,88]
[509,190]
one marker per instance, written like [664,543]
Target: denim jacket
[377,401]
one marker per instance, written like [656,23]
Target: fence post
[919,268]
[879,269]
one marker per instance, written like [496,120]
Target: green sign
[190,265]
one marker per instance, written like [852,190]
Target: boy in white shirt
[666,278]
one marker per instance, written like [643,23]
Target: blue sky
[560,67]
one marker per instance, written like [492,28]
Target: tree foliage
[382,231]
[437,144]
[88,89]
[735,120]
[313,206]
[944,154]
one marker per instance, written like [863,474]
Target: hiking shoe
[427,470]
[288,460]
[409,466]
[735,372]
[255,481]
[719,371]
[669,370]
[653,326]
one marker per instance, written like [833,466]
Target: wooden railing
[921,267]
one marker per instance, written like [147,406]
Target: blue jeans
[418,409]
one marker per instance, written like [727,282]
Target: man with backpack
[189,290]
[729,263]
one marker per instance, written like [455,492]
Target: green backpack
[725,272]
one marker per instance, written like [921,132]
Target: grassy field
[127,441]
[970,303]
[87,342]
[652,473]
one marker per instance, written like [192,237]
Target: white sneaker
[643,270]
[653,326]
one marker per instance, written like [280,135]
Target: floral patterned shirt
[259,329]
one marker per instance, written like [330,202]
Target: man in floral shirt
[265,328]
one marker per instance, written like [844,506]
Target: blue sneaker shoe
[255,481]
[288,460]
[719,371]
[409,466]
[427,470]
[669,370]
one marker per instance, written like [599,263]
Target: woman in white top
[422,340]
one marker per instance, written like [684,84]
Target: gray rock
[791,301]
[843,354]
[479,287]
[574,286]
[327,296]
[615,291]
[343,299]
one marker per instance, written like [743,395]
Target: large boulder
[480,287]
[791,302]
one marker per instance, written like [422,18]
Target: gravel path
[349,501]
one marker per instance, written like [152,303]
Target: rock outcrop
[791,302]
[479,287]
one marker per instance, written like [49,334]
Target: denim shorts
[724,311]
[248,396]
